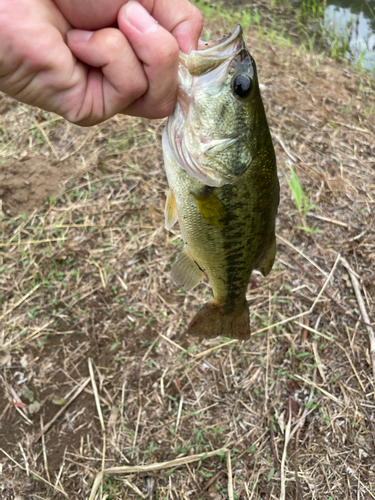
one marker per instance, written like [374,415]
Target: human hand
[67,57]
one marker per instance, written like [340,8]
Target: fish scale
[224,193]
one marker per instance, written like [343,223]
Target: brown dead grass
[88,277]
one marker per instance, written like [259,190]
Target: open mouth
[223,41]
[213,53]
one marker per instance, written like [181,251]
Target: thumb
[111,78]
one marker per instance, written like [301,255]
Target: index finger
[180,18]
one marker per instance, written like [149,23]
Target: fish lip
[213,53]
[224,41]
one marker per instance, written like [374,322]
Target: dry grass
[87,278]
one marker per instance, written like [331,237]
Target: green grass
[302,200]
[309,18]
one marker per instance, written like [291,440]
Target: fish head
[213,129]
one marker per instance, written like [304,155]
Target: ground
[84,278]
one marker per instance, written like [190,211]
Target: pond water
[354,20]
[349,22]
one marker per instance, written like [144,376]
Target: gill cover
[206,131]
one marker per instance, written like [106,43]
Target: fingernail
[138,17]
[79,36]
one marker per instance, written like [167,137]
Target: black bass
[224,191]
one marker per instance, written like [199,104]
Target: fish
[223,185]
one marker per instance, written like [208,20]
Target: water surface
[354,19]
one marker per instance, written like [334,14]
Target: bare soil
[86,276]
[26,184]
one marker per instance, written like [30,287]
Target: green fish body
[224,190]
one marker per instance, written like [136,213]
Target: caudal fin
[213,320]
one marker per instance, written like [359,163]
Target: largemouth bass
[224,191]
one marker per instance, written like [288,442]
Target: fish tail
[213,320]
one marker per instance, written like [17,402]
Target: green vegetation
[313,31]
[302,201]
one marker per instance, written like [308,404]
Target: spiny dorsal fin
[170,211]
[266,265]
[185,272]
[212,210]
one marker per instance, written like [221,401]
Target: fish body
[224,190]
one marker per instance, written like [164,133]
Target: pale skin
[88,60]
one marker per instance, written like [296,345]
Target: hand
[68,57]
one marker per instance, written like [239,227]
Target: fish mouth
[212,54]
[224,41]
[192,144]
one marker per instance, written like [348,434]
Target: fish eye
[242,85]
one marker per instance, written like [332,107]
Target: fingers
[89,14]
[182,19]
[88,76]
[179,17]
[132,69]
[158,50]
[119,81]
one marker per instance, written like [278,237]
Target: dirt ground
[84,278]
[26,184]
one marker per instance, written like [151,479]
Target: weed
[301,199]
[270,474]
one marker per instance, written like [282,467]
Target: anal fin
[170,211]
[266,265]
[185,272]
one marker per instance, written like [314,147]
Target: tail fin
[213,320]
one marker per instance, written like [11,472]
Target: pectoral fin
[266,265]
[185,272]
[212,210]
[170,211]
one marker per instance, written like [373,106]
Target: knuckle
[33,61]
[114,40]
[194,17]
[197,18]
[41,57]
[135,85]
